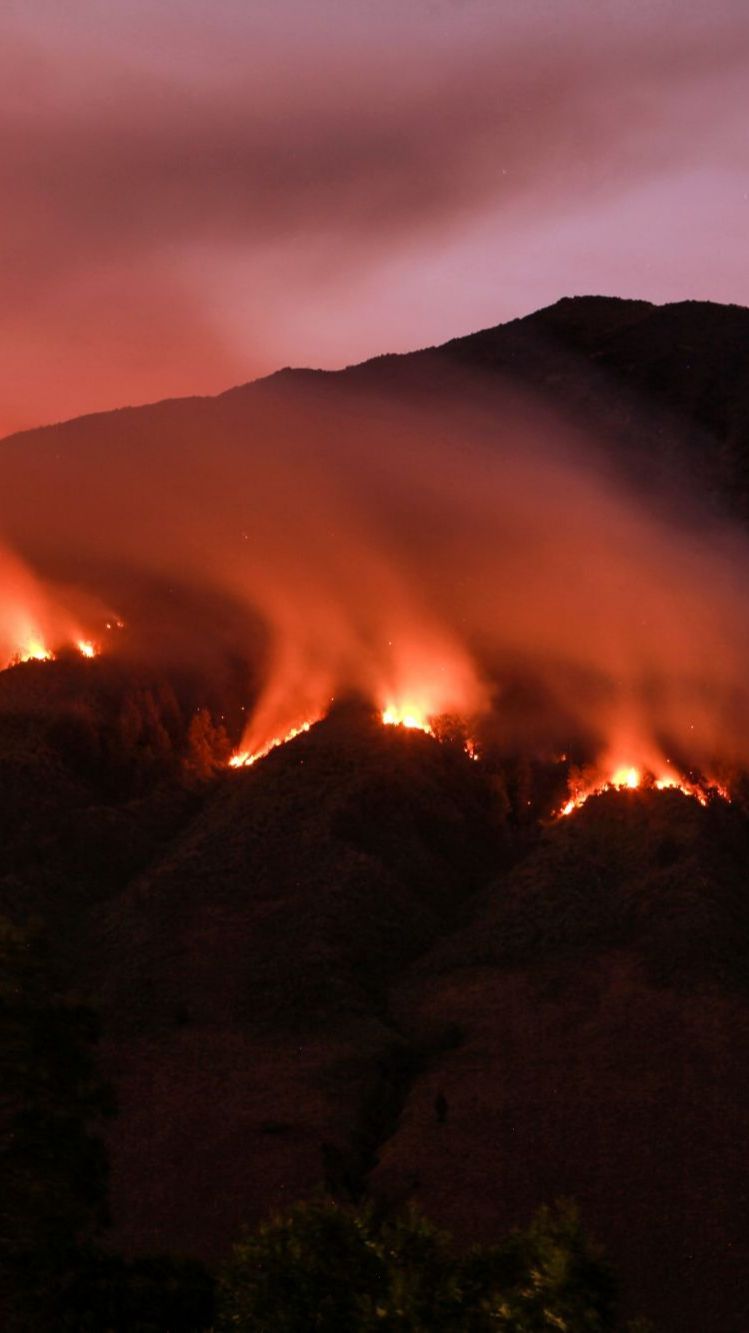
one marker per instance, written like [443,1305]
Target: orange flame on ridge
[35,650]
[32,651]
[406,715]
[628,778]
[244,759]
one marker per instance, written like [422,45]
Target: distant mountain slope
[655,379]
[605,359]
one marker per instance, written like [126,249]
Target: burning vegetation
[583,783]
[406,716]
[34,649]
[39,621]
[245,758]
[452,553]
[431,705]
[594,782]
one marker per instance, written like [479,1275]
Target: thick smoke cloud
[180,185]
[426,557]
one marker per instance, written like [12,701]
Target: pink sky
[196,192]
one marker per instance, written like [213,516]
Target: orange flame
[33,651]
[629,778]
[244,759]
[407,715]
[37,619]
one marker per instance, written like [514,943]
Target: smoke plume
[433,558]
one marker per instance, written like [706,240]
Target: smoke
[432,557]
[37,618]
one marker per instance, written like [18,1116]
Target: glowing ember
[244,759]
[407,716]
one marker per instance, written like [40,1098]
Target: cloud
[327,134]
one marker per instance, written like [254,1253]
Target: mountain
[368,964]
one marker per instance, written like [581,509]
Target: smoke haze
[428,558]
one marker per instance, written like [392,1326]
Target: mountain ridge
[463,342]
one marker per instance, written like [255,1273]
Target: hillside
[367,964]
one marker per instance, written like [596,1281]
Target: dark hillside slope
[92,761]
[344,937]
[245,979]
[600,992]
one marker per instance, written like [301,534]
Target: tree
[547,1277]
[208,746]
[316,1268]
[326,1268]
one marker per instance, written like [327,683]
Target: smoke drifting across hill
[434,558]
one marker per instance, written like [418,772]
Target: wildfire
[406,716]
[244,759]
[627,778]
[33,651]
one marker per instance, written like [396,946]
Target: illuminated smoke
[424,559]
[35,619]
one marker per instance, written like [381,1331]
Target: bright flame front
[628,778]
[33,651]
[406,716]
[244,759]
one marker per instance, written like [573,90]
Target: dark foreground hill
[358,967]
[352,934]
[370,966]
